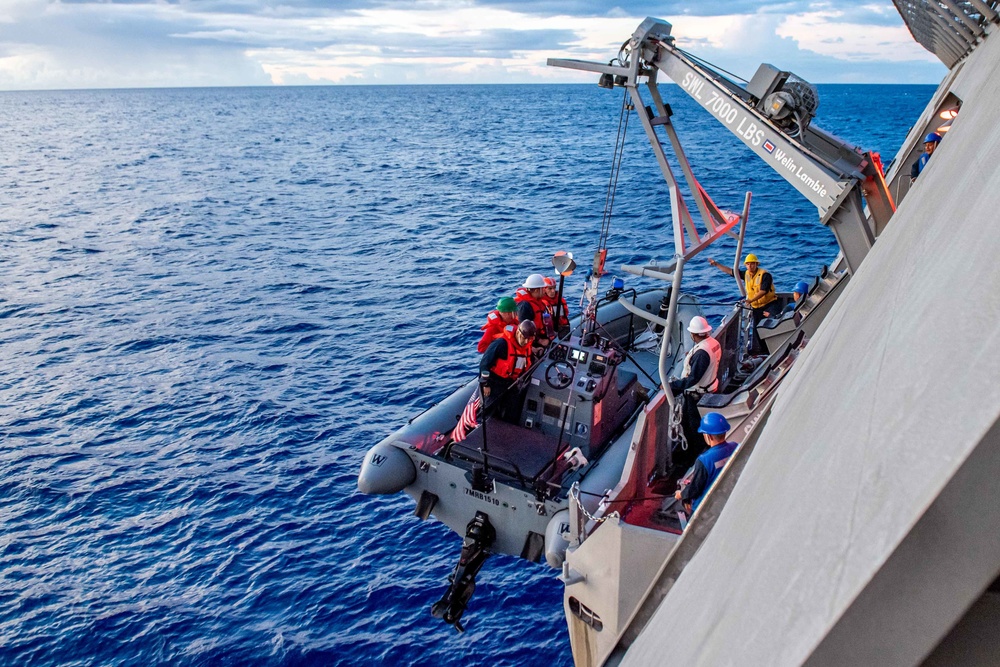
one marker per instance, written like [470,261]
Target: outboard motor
[479,535]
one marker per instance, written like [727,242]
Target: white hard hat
[699,325]
[534,281]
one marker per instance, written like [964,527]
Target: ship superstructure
[861,527]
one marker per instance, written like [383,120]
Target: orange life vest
[550,305]
[540,309]
[518,357]
[492,330]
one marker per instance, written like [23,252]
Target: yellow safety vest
[753,285]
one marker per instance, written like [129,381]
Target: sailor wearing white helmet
[700,375]
[701,365]
[531,308]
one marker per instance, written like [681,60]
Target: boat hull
[520,505]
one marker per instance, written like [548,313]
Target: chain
[676,429]
[613,515]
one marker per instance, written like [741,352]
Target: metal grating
[950,29]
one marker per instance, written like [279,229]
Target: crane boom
[828,171]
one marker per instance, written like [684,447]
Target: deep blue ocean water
[214,301]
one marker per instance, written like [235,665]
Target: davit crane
[771,116]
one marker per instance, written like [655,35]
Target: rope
[640,500]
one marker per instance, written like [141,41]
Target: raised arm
[721,267]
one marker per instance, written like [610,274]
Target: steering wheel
[559,374]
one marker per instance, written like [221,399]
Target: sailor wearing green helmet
[496,320]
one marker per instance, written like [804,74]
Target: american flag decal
[467,422]
[768,146]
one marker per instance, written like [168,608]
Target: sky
[57,44]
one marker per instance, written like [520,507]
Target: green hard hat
[506,305]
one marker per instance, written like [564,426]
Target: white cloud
[45,45]
[824,33]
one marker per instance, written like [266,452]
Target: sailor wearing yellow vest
[760,292]
[760,286]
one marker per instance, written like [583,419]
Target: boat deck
[511,449]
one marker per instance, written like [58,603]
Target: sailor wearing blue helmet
[799,295]
[696,484]
[931,142]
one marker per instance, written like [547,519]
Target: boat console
[575,396]
[578,391]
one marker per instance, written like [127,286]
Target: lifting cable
[616,166]
[734,78]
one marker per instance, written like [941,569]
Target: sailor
[695,485]
[701,365]
[931,142]
[554,302]
[504,361]
[760,293]
[531,308]
[700,376]
[799,294]
[505,314]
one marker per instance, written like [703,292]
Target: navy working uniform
[691,490]
[706,469]
[931,142]
[760,295]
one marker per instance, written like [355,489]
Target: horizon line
[275,86]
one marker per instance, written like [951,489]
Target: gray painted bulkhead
[865,526]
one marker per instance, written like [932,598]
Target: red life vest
[538,307]
[492,330]
[550,305]
[518,357]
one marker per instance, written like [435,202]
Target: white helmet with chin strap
[534,281]
[699,325]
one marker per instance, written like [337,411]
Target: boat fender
[557,539]
[386,469]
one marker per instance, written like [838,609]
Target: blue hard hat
[713,424]
[802,287]
[932,138]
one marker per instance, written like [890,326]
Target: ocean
[214,301]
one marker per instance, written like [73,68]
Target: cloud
[81,43]
[665,10]
[862,34]
[82,46]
